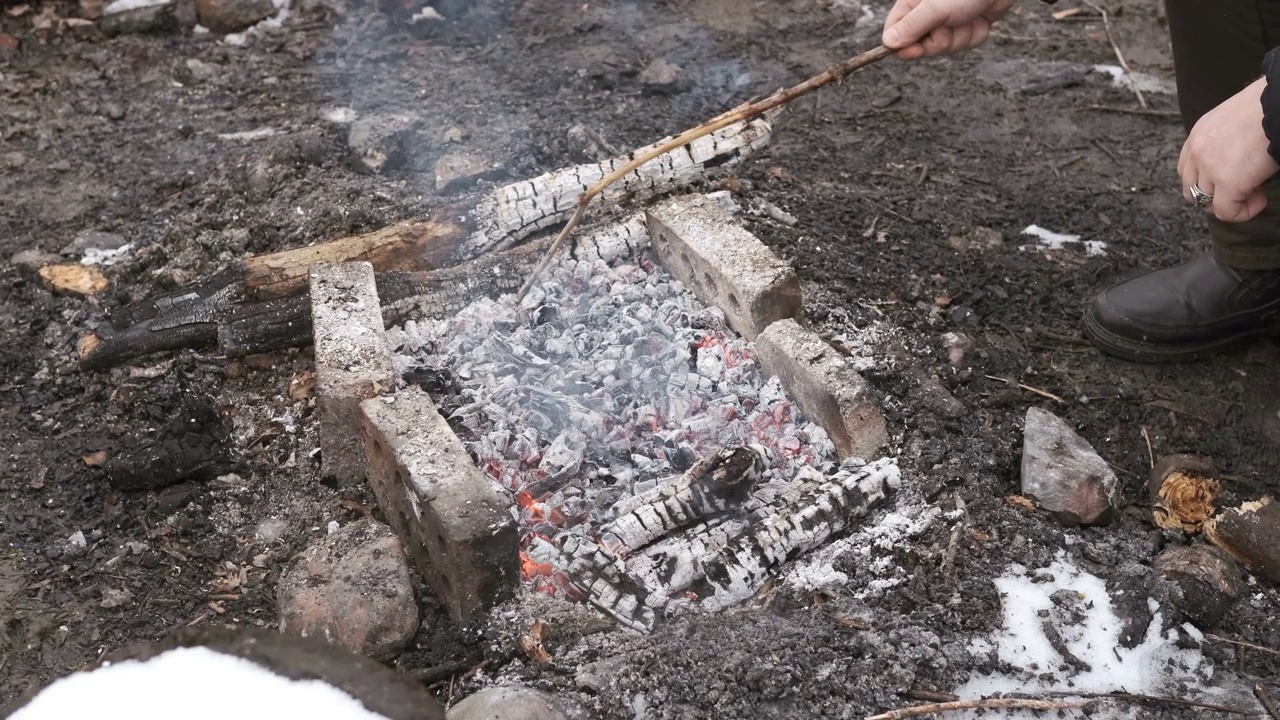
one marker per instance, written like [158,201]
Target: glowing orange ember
[531,568]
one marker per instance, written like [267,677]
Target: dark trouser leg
[1217,50]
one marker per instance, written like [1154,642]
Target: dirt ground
[911,184]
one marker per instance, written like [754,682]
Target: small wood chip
[74,279]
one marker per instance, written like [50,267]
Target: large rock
[228,16]
[374,686]
[1064,475]
[515,703]
[353,589]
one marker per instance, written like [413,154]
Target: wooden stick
[1124,64]
[987,704]
[742,113]
[1242,643]
[1261,693]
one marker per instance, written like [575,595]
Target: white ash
[622,380]
[616,381]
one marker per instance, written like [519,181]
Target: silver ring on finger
[1201,198]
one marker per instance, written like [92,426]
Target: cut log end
[1183,491]
[1250,534]
[87,345]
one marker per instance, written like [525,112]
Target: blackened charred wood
[673,564]
[193,445]
[713,485]
[603,579]
[447,237]
[825,507]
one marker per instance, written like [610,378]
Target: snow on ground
[1078,606]
[1050,240]
[193,684]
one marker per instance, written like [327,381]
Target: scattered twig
[1028,388]
[1154,699]
[948,561]
[1124,64]
[1261,693]
[987,704]
[437,673]
[742,113]
[1242,643]
[1135,111]
[1151,456]
[929,696]
[846,621]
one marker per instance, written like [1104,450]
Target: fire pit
[627,444]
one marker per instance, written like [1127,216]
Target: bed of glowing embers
[654,467]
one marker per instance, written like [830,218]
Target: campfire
[654,466]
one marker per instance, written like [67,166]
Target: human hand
[920,28]
[1226,156]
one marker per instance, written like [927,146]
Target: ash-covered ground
[910,187]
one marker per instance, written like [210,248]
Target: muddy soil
[911,185]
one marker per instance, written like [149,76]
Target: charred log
[713,485]
[225,308]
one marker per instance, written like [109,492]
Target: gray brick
[825,386]
[701,244]
[353,361]
[456,525]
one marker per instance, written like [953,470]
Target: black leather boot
[1185,312]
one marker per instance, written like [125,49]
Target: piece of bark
[1183,490]
[1250,534]
[210,312]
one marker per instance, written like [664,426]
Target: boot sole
[1137,351]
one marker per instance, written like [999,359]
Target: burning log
[825,507]
[603,579]
[673,564]
[713,485]
[253,305]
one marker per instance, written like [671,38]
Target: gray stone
[351,588]
[663,77]
[515,703]
[34,259]
[353,361]
[228,16]
[94,240]
[1064,475]
[454,522]
[150,19]
[826,386]
[381,142]
[461,170]
[201,70]
[699,242]
[958,346]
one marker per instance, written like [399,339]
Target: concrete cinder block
[825,386]
[353,361]
[700,243]
[457,527]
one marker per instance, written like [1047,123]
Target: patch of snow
[1156,667]
[1049,240]
[119,6]
[339,115]
[1144,82]
[333,527]
[427,13]
[194,684]
[99,256]
[248,135]
[272,23]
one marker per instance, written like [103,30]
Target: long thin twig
[1151,456]
[1261,693]
[1242,643]
[742,113]
[987,704]
[1153,699]
[1124,64]
[1135,111]
[1028,388]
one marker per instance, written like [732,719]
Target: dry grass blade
[1241,643]
[742,113]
